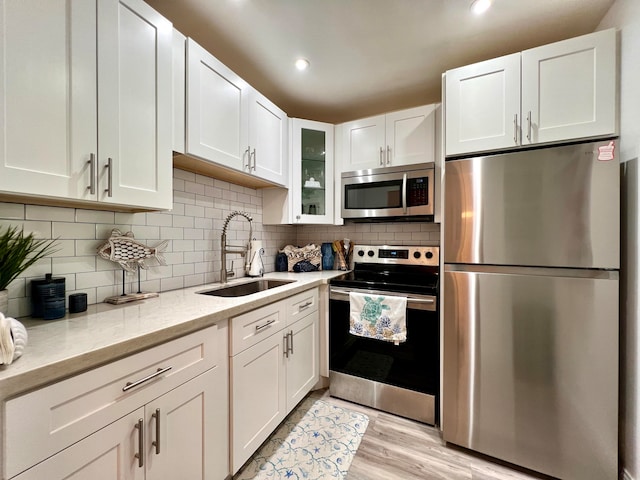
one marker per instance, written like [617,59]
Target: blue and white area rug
[316,441]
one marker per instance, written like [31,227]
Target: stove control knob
[371,253]
[416,254]
[429,254]
[361,253]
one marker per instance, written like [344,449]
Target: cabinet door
[569,89]
[482,104]
[312,176]
[49,102]
[410,136]
[217,110]
[189,426]
[258,397]
[303,359]
[135,114]
[104,455]
[268,133]
[364,144]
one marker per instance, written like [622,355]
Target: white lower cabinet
[272,375]
[158,414]
[105,455]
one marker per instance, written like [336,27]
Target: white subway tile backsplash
[94,216]
[73,230]
[73,264]
[56,214]
[159,219]
[193,228]
[12,211]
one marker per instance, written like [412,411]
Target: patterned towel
[379,317]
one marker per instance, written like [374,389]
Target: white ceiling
[367,56]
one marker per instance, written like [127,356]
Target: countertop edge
[16,380]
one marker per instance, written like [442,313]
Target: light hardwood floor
[395,448]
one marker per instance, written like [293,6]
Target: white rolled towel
[13,339]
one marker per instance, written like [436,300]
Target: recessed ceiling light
[302,64]
[480,6]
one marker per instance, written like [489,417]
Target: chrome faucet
[239,249]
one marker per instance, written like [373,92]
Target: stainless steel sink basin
[248,288]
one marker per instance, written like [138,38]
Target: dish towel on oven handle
[381,317]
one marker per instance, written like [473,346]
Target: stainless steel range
[402,379]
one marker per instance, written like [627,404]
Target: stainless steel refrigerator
[532,248]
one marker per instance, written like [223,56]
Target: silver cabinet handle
[253,154]
[156,442]
[109,167]
[140,454]
[92,174]
[308,304]
[381,156]
[515,129]
[131,385]
[291,345]
[247,152]
[264,325]
[529,126]
[404,193]
[286,345]
[388,155]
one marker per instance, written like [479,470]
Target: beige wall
[625,15]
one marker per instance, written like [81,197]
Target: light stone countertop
[105,332]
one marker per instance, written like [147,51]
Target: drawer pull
[308,304]
[131,385]
[286,345]
[140,454]
[290,334]
[264,325]
[156,442]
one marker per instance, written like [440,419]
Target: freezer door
[555,206]
[531,369]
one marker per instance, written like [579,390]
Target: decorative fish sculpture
[123,249]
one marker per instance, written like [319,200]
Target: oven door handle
[427,302]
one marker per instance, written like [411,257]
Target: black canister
[77,302]
[282,263]
[48,288]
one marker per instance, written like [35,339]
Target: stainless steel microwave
[404,191]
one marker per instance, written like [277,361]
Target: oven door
[387,193]
[413,365]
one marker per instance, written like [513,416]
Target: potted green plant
[17,253]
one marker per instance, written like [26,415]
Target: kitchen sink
[248,288]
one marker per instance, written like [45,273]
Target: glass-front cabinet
[312,171]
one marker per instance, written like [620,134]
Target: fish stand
[130,255]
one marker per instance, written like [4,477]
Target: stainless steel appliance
[405,191]
[403,379]
[531,308]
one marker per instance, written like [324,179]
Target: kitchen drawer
[301,305]
[43,422]
[252,327]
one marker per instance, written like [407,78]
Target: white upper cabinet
[558,92]
[482,103]
[56,107]
[217,126]
[48,87]
[268,136]
[228,122]
[569,89]
[398,138]
[134,105]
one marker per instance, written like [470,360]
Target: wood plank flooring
[397,448]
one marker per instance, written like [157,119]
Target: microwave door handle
[404,193]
